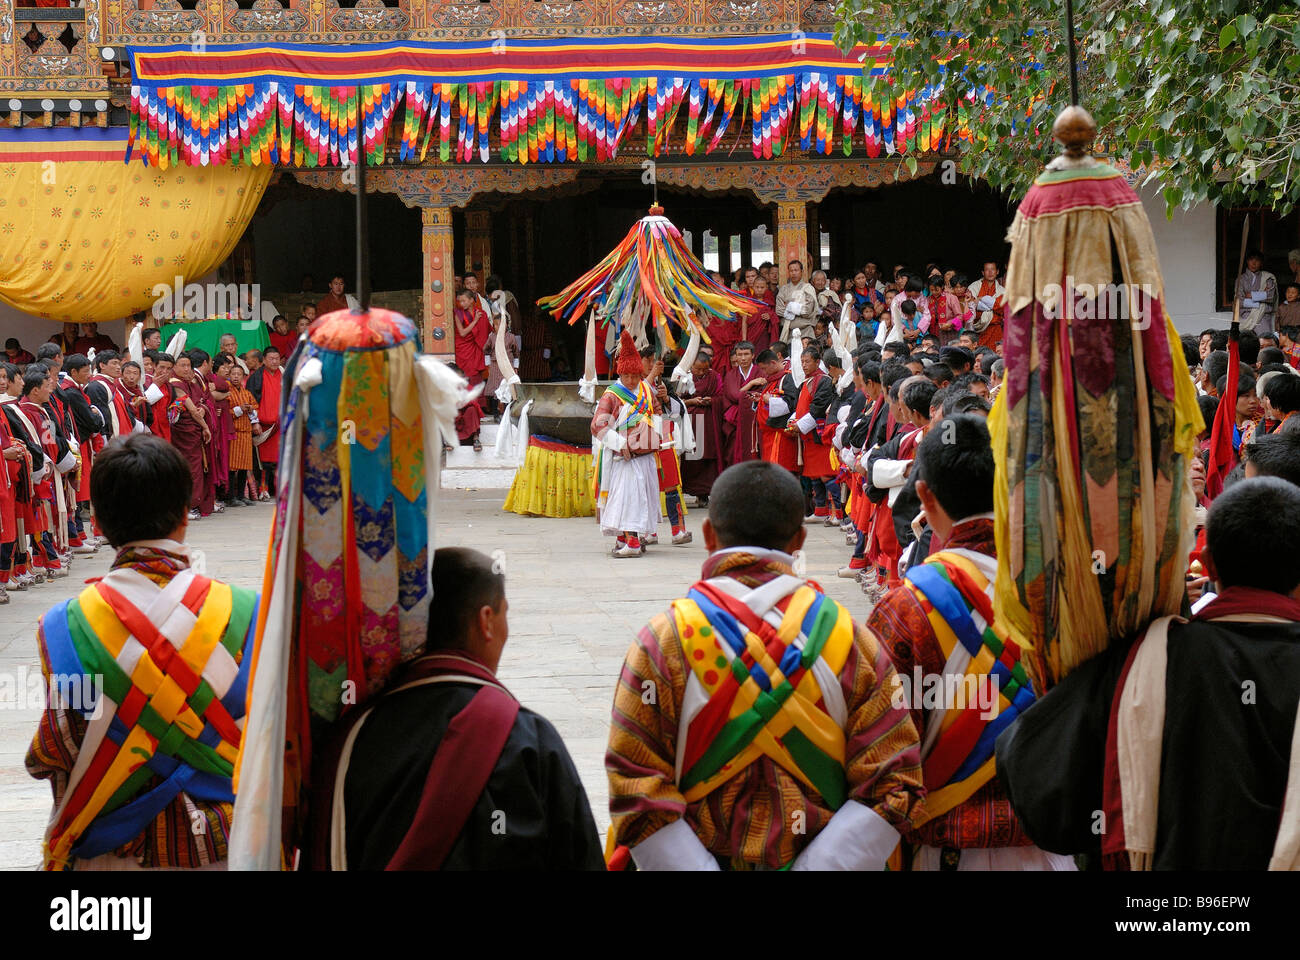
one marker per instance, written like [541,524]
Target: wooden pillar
[724,252]
[697,241]
[791,234]
[436,330]
[813,227]
[478,244]
[746,246]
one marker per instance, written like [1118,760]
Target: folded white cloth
[153,393]
[674,847]
[777,407]
[807,423]
[857,838]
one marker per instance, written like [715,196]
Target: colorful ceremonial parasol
[346,592]
[1096,422]
[649,283]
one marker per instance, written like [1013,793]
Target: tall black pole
[363,240]
[1074,66]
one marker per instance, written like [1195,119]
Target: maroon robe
[740,421]
[187,437]
[762,328]
[701,469]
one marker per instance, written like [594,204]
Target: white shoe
[84,550]
[624,550]
[849,573]
[650,538]
[4,596]
[58,574]
[21,582]
[683,537]
[831,521]
[812,518]
[851,538]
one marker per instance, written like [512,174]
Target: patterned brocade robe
[899,620]
[764,816]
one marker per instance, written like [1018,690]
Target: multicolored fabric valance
[547,100]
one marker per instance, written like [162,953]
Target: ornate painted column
[792,234]
[436,329]
[478,244]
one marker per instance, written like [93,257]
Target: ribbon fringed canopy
[650,282]
[1095,426]
[549,101]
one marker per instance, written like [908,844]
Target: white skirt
[633,502]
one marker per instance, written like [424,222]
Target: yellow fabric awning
[85,237]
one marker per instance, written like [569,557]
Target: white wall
[1186,247]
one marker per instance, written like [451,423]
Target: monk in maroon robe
[472,330]
[191,434]
[740,422]
[704,407]
[265,384]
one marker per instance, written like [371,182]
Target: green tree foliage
[1200,96]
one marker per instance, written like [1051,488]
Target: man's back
[533,813]
[1232,690]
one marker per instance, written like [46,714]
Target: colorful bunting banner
[550,100]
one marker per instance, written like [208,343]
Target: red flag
[1222,459]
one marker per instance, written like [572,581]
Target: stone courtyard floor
[573,612]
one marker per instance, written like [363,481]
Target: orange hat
[629,357]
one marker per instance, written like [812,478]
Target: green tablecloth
[206,334]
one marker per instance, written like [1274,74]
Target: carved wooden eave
[768,181]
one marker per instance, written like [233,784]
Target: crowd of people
[837,388]
[757,723]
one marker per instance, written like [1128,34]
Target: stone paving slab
[573,612]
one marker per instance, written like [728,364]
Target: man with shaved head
[754,725]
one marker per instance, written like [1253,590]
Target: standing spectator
[1288,311]
[796,300]
[990,298]
[266,385]
[704,406]
[1257,294]
[281,336]
[243,412]
[472,330]
[188,412]
[336,299]
[223,425]
[945,311]
[760,326]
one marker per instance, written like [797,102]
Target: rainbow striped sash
[763,682]
[166,674]
[957,751]
[638,407]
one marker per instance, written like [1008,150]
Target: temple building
[516,137]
